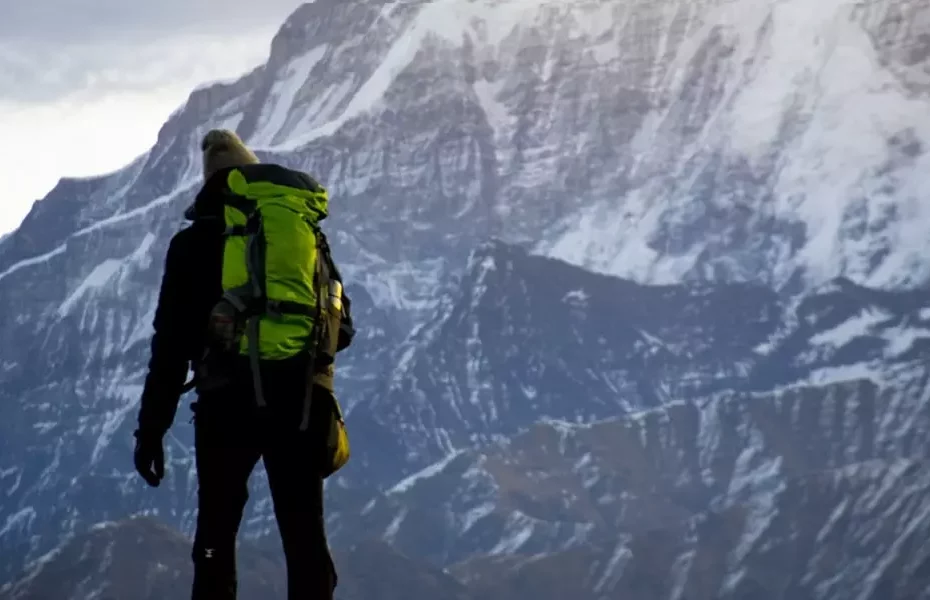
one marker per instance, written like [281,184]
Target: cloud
[64,22]
[44,143]
[85,85]
[52,74]
[50,49]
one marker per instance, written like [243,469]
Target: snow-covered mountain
[656,140]
[779,141]
[730,158]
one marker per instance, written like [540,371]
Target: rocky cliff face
[526,338]
[729,158]
[530,337]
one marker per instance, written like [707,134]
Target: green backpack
[278,299]
[270,264]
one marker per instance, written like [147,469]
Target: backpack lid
[208,203]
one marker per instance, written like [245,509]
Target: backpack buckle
[273,309]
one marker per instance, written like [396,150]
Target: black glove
[149,457]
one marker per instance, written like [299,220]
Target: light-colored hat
[222,148]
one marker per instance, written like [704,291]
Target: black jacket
[190,286]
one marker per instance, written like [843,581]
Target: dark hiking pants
[231,435]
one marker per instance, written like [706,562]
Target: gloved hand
[149,457]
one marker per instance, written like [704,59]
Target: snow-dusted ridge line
[115,219]
[33,261]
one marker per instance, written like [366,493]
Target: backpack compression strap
[253,296]
[322,282]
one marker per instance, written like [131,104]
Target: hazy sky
[86,84]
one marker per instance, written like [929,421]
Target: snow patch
[759,476]
[112,419]
[834,518]
[497,113]
[614,569]
[404,285]
[431,471]
[182,188]
[517,532]
[324,104]
[476,514]
[370,506]
[98,277]
[22,519]
[103,273]
[827,375]
[681,570]
[145,325]
[752,468]
[857,326]
[709,436]
[394,527]
[36,260]
[283,92]
[901,339]
[576,297]
[601,240]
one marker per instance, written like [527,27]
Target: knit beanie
[222,148]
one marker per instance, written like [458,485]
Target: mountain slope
[812,492]
[526,337]
[141,559]
[785,144]
[831,548]
[820,492]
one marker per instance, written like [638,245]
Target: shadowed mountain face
[737,497]
[140,559]
[754,172]
[528,338]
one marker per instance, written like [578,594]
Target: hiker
[239,304]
